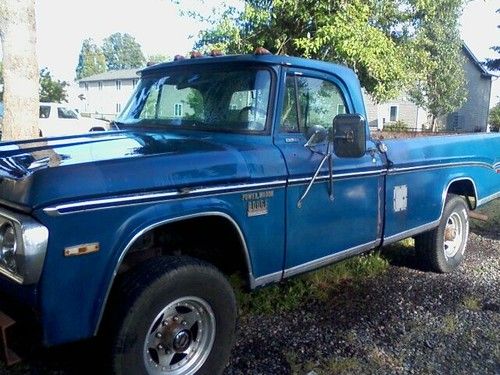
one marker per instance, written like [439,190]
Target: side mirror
[316,134]
[349,136]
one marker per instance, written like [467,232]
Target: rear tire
[173,315]
[442,249]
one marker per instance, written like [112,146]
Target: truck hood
[35,173]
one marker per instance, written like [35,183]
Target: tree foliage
[51,90]
[495,118]
[91,60]
[388,43]
[494,64]
[122,51]
[442,88]
[158,58]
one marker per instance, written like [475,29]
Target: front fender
[73,290]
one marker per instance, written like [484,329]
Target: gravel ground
[406,321]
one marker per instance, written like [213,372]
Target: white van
[58,119]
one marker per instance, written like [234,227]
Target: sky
[62,25]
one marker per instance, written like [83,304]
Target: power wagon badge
[257,203]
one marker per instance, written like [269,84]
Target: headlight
[23,244]
[8,247]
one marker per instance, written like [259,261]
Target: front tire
[443,248]
[174,316]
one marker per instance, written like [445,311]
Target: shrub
[495,118]
[398,126]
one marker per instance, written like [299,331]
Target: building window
[340,109]
[118,85]
[118,107]
[393,113]
[134,83]
[178,110]
[100,86]
[86,86]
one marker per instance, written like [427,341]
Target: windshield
[205,99]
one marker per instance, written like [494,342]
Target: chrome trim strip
[410,232]
[266,279]
[139,198]
[488,199]
[251,278]
[435,166]
[317,263]
[338,176]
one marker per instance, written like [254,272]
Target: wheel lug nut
[184,323]
[176,318]
[158,335]
[165,323]
[160,347]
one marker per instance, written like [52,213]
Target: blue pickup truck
[260,165]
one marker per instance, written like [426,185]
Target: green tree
[495,118]
[51,90]
[122,52]
[157,58]
[494,64]
[441,90]
[381,40]
[91,60]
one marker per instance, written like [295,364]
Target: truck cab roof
[268,59]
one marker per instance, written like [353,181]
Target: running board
[10,357]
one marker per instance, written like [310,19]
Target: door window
[310,101]
[44,111]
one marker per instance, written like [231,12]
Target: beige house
[473,116]
[106,94]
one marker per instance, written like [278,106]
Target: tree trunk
[20,69]
[434,124]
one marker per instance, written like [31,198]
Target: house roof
[112,75]
[476,62]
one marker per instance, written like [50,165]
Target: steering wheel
[249,108]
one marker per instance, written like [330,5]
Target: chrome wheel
[180,338]
[453,235]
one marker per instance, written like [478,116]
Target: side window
[66,113]
[44,111]
[308,102]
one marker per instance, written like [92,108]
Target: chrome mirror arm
[328,156]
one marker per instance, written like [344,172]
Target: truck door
[324,227]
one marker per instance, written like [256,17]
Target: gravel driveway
[405,321]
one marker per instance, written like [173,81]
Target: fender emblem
[257,203]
